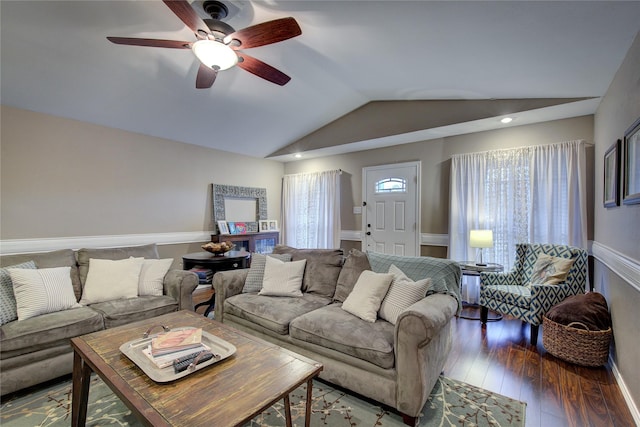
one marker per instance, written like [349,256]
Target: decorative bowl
[218,249]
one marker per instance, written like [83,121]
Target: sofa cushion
[61,258]
[145,251]
[152,276]
[111,280]
[367,295]
[322,269]
[334,328]
[403,293]
[283,279]
[272,313]
[123,311]
[356,263]
[8,306]
[47,330]
[253,282]
[42,291]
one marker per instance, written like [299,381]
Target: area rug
[452,403]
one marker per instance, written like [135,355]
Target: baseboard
[635,413]
[19,246]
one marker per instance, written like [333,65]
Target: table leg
[80,391]
[287,410]
[307,412]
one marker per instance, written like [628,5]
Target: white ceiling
[55,59]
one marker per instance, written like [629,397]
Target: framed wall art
[611,192]
[631,180]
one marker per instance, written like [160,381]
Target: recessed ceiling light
[506,120]
[297,155]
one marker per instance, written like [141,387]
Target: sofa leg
[484,314]
[410,421]
[534,335]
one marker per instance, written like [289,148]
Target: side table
[472,269]
[230,261]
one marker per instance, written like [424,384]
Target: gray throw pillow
[255,275]
[354,265]
[8,306]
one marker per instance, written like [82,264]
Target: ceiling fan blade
[206,76]
[265,33]
[173,44]
[260,69]
[185,12]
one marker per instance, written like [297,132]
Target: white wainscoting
[629,270]
[426,239]
[18,246]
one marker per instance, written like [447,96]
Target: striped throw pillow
[403,292]
[42,291]
[8,312]
[151,281]
[283,279]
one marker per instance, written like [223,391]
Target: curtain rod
[308,173]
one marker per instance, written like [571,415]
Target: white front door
[391,208]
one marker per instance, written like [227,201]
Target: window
[391,185]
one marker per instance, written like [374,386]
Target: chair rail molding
[625,267]
[426,239]
[19,246]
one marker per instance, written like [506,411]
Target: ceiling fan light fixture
[215,54]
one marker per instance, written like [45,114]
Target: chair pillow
[365,299]
[255,275]
[8,311]
[403,292]
[42,291]
[108,280]
[282,279]
[550,270]
[354,265]
[151,280]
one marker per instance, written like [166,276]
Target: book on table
[166,360]
[175,341]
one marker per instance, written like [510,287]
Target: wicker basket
[576,345]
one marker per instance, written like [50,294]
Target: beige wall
[617,230]
[435,157]
[64,178]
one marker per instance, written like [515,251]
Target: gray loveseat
[38,349]
[397,365]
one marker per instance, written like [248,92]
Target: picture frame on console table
[611,193]
[631,151]
[223,228]
[264,225]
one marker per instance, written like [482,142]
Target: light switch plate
[357,210]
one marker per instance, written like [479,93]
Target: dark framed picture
[631,181]
[611,194]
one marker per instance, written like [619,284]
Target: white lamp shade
[215,54]
[481,238]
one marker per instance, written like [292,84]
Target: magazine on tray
[174,341]
[166,360]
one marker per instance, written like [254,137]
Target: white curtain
[530,194]
[311,210]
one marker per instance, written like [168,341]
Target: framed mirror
[246,204]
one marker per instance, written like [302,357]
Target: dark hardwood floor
[499,358]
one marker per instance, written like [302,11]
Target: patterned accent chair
[511,294]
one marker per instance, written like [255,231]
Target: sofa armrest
[422,345]
[227,284]
[180,284]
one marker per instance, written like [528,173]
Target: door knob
[368,233]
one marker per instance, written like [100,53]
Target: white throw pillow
[42,291]
[151,281]
[109,280]
[367,294]
[8,311]
[282,279]
[403,292]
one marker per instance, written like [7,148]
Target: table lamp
[481,239]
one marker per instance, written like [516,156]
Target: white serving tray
[220,348]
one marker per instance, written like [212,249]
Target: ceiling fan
[218,44]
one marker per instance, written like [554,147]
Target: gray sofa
[397,365]
[38,349]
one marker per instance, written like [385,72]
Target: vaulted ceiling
[363,73]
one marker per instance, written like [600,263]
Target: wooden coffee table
[228,393]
